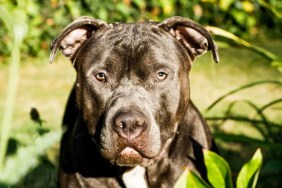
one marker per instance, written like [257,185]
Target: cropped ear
[74,35]
[194,37]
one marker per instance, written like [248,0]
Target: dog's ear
[195,38]
[74,35]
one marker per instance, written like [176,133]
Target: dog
[129,119]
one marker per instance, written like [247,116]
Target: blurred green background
[241,97]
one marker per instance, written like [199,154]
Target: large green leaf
[194,181]
[219,173]
[189,179]
[248,175]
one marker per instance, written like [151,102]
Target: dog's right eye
[101,77]
[161,75]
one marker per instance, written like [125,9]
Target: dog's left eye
[161,76]
[101,77]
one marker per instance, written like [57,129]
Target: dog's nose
[129,124]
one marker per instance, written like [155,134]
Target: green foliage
[47,18]
[248,175]
[275,60]
[194,181]
[27,158]
[190,179]
[219,174]
[14,167]
[267,129]
[250,85]
[18,29]
[182,180]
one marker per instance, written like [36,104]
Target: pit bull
[129,119]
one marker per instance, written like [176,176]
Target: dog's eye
[161,76]
[101,77]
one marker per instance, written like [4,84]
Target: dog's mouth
[131,157]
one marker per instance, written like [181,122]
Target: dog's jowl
[129,119]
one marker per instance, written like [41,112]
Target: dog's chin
[129,157]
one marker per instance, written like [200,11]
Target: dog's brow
[158,66]
[91,69]
[161,61]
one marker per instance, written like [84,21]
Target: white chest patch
[135,178]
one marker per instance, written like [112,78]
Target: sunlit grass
[43,86]
[237,67]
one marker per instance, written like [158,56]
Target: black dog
[129,119]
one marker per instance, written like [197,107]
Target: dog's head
[132,82]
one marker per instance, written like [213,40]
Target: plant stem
[10,100]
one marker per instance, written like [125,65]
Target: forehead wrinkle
[129,43]
[109,64]
[160,59]
[99,60]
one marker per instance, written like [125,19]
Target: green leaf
[224,5]
[219,173]
[248,175]
[182,180]
[189,179]
[277,64]
[270,8]
[194,181]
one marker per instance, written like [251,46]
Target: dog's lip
[129,151]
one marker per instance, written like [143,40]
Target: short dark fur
[168,133]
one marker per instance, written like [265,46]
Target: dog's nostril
[129,125]
[120,125]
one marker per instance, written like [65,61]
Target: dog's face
[134,89]
[132,82]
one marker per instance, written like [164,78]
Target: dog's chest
[135,178]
